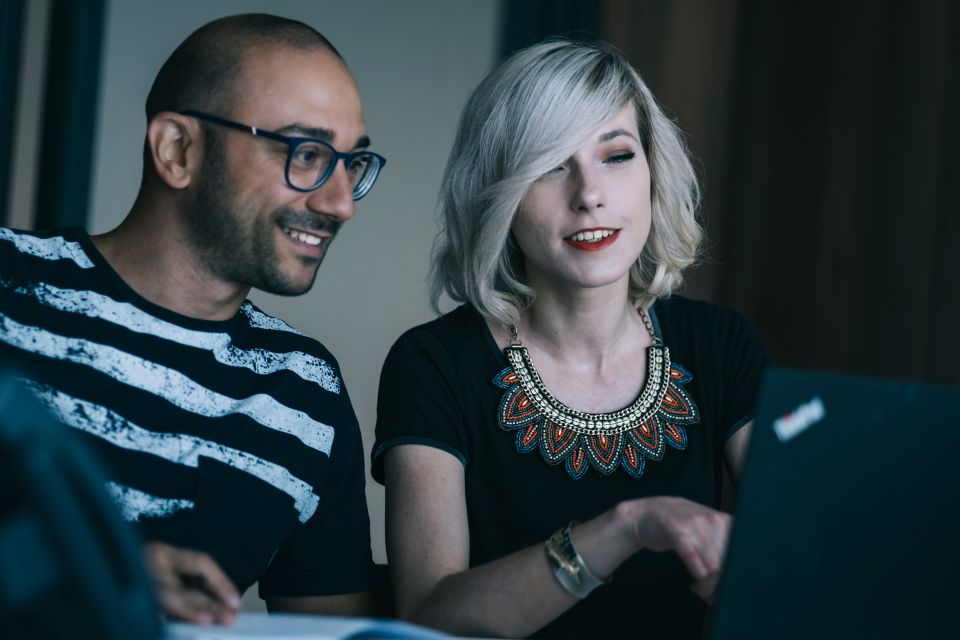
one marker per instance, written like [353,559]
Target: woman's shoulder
[704,325]
[462,322]
[680,310]
[457,335]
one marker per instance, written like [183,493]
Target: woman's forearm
[518,594]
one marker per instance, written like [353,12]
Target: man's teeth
[303,237]
[591,236]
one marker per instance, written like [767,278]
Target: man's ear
[175,148]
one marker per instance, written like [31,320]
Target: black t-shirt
[233,437]
[437,388]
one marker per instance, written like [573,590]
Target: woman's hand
[697,534]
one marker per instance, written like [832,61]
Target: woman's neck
[583,324]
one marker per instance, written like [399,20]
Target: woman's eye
[617,158]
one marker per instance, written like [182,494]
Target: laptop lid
[848,515]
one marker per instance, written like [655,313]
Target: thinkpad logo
[799,420]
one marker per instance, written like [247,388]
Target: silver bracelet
[568,567]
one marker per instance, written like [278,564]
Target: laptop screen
[847,521]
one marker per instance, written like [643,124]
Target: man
[228,436]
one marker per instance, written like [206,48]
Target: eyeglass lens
[311,163]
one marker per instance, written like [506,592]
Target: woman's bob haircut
[529,115]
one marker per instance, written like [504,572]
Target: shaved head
[203,72]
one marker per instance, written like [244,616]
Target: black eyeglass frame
[292,143]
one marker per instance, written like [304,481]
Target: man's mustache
[307,221]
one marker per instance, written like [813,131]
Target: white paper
[260,626]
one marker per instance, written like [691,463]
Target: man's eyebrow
[301,130]
[610,135]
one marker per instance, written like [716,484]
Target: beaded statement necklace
[604,441]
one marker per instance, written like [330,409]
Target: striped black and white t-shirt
[233,437]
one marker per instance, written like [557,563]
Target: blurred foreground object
[69,566]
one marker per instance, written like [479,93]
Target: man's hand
[190,586]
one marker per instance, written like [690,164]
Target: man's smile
[311,239]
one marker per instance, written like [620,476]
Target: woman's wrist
[605,541]
[629,516]
[568,566]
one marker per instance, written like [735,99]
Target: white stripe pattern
[135,504]
[261,361]
[176,447]
[167,383]
[55,248]
[261,320]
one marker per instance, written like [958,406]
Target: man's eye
[309,155]
[306,156]
[358,164]
[621,157]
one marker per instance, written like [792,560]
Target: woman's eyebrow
[610,135]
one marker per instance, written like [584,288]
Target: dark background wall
[826,137]
[11,29]
[825,134]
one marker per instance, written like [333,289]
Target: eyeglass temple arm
[235,125]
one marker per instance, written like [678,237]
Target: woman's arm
[428,547]
[735,451]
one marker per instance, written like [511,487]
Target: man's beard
[236,251]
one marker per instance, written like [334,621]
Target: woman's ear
[175,150]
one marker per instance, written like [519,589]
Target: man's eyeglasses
[310,162]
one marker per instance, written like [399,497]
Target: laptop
[848,515]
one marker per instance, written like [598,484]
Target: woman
[570,386]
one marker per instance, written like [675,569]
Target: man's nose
[335,197]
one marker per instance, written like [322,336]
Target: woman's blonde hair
[527,116]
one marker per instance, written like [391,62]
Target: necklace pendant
[604,441]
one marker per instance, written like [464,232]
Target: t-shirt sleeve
[416,403]
[330,553]
[743,361]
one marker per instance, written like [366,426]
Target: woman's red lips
[592,245]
